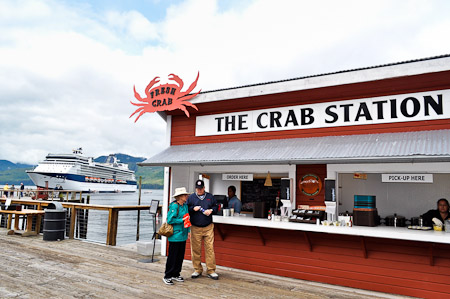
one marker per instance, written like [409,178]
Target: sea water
[127,222]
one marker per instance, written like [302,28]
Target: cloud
[133,24]
[68,69]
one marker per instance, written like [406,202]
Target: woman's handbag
[166,230]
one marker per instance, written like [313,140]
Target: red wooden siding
[392,266]
[183,128]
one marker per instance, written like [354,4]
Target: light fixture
[268,182]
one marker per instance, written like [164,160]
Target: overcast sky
[67,68]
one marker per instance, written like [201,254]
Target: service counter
[383,258]
[388,232]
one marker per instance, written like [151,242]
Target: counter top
[389,232]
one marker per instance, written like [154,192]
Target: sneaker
[196,274]
[168,281]
[179,279]
[213,276]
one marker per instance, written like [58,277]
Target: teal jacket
[180,233]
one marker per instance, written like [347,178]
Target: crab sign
[165,97]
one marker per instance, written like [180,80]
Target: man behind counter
[440,213]
[233,201]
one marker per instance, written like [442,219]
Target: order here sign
[419,106]
[237,177]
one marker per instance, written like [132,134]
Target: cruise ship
[77,172]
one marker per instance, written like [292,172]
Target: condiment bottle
[269,217]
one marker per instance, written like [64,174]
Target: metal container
[395,220]
[54,222]
[260,209]
[226,212]
[365,217]
[416,221]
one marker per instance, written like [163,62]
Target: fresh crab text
[165,97]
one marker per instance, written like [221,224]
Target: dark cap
[199,184]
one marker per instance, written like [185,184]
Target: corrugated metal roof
[331,73]
[421,146]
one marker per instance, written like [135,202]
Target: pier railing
[51,194]
[77,216]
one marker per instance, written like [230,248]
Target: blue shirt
[208,202]
[235,203]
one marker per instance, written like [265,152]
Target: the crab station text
[421,106]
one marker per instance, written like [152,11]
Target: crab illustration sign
[165,97]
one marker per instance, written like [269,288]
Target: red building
[382,131]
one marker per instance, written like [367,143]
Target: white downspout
[166,192]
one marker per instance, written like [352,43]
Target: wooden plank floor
[33,268]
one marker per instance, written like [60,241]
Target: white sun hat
[180,191]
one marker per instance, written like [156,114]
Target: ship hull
[77,182]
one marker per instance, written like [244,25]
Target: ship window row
[105,170]
[105,174]
[115,169]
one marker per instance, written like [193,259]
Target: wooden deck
[33,268]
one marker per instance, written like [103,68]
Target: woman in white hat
[178,216]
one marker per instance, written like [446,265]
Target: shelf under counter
[389,232]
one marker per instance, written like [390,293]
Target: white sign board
[237,176]
[420,106]
[406,178]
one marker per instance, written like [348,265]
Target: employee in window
[233,201]
[441,213]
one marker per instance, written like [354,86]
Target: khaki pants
[207,235]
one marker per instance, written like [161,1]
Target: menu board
[255,191]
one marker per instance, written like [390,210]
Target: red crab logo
[165,97]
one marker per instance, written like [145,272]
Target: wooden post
[38,223]
[8,226]
[112,227]
[72,222]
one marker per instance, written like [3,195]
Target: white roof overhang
[420,146]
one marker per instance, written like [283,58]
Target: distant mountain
[7,165]
[152,177]
[14,174]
